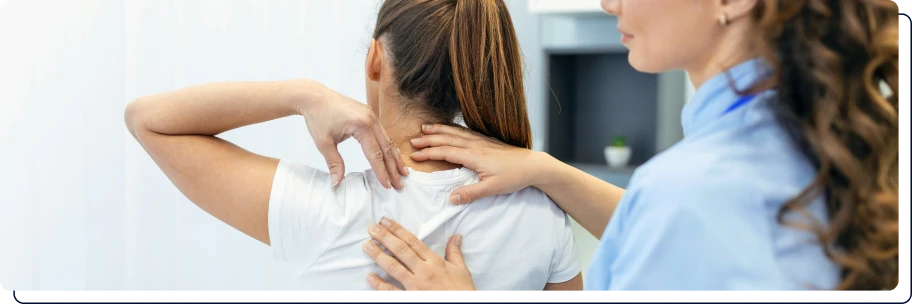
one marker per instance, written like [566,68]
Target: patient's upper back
[516,241]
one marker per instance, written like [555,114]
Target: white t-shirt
[519,241]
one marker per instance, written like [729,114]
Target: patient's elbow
[133,117]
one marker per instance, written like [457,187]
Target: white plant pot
[617,156]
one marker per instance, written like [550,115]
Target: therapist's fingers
[437,140]
[444,129]
[378,283]
[454,155]
[395,245]
[454,252]
[408,238]
[473,192]
[387,263]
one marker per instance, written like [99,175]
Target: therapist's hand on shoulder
[502,168]
[414,264]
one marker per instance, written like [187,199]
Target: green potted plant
[617,154]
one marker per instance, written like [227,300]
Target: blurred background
[84,207]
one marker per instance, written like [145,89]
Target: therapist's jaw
[665,35]
[430,62]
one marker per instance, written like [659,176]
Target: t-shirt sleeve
[565,265]
[306,214]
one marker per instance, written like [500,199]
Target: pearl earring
[723,19]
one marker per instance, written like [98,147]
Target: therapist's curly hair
[835,59]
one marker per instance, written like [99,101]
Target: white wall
[84,206]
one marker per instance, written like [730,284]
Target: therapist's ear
[374,60]
[730,10]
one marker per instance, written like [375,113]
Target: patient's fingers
[333,160]
[375,156]
[408,238]
[387,263]
[377,283]
[444,129]
[391,157]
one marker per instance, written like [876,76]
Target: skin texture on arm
[504,169]
[224,180]
[587,199]
[178,131]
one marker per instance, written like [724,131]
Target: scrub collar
[716,95]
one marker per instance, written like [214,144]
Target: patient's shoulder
[530,202]
[532,196]
[303,183]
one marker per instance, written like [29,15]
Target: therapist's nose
[612,7]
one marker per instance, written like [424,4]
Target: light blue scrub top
[702,214]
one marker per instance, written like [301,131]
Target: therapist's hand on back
[502,168]
[414,264]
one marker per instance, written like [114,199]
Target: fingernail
[416,141]
[369,245]
[335,179]
[458,240]
[416,154]
[425,127]
[374,228]
[370,278]
[455,198]
[385,222]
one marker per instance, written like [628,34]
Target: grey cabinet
[591,94]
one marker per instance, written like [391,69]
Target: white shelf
[565,6]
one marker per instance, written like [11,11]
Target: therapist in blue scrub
[786,178]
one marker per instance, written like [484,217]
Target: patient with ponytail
[454,62]
[430,62]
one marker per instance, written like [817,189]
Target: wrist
[305,93]
[546,166]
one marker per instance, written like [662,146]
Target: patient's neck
[402,128]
